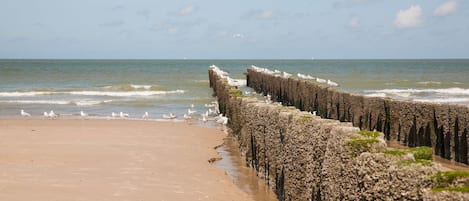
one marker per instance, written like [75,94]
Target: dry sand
[110,160]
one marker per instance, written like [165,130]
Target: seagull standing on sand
[46,114]
[189,111]
[187,116]
[83,114]
[25,114]
[145,116]
[122,115]
[204,119]
[52,114]
[170,116]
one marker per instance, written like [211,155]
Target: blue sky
[218,29]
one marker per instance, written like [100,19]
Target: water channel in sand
[243,176]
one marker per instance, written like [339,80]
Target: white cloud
[238,35]
[260,14]
[446,8]
[266,14]
[186,10]
[409,18]
[354,22]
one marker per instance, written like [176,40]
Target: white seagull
[46,114]
[52,114]
[122,115]
[170,116]
[189,111]
[187,116]
[113,114]
[331,83]
[145,115]
[83,114]
[25,114]
[320,80]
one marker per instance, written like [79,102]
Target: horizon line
[182,59]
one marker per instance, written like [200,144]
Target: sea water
[100,87]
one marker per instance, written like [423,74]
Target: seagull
[223,120]
[189,111]
[320,80]
[187,116]
[83,114]
[286,75]
[145,116]
[46,114]
[122,115]
[25,114]
[331,83]
[170,116]
[52,114]
[114,114]
[302,76]
[204,119]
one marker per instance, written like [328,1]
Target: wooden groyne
[305,157]
[442,127]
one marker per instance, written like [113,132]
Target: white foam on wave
[449,91]
[381,95]
[58,102]
[92,93]
[90,102]
[135,86]
[21,94]
[429,83]
[125,93]
[48,102]
[442,100]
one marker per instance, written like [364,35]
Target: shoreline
[111,160]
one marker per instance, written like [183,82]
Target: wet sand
[243,176]
[110,160]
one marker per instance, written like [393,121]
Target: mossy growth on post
[236,93]
[422,155]
[446,181]
[363,143]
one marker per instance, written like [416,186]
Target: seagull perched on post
[25,114]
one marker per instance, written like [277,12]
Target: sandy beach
[110,160]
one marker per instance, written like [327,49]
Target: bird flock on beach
[212,113]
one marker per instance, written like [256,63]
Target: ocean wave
[45,102]
[449,91]
[29,93]
[90,102]
[58,102]
[429,83]
[125,93]
[380,95]
[442,100]
[131,87]
[92,93]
